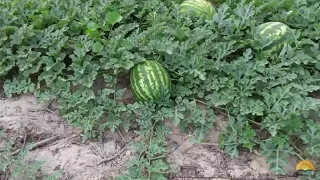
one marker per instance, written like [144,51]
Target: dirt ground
[78,160]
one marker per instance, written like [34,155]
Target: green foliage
[151,151]
[18,166]
[311,138]
[277,151]
[18,86]
[187,114]
[238,134]
[79,52]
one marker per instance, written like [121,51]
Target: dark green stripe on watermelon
[167,80]
[161,75]
[155,78]
[140,92]
[150,84]
[134,85]
[145,82]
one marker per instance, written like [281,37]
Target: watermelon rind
[201,7]
[148,80]
[277,31]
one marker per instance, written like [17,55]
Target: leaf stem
[300,157]
[115,87]
[254,122]
[294,146]
[297,149]
[201,102]
[110,32]
[174,72]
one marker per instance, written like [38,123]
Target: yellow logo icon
[305,165]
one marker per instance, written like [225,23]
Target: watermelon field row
[255,61]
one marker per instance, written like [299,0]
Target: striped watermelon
[149,81]
[279,32]
[201,7]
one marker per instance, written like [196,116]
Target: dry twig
[117,154]
[45,141]
[121,135]
[38,144]
[48,107]
[172,150]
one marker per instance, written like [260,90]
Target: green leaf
[127,44]
[113,17]
[199,134]
[91,26]
[311,137]
[92,29]
[178,116]
[277,150]
[247,137]
[158,177]
[232,151]
[18,86]
[97,47]
[245,12]
[238,134]
[318,66]
[113,122]
[157,166]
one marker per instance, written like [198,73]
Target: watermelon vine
[81,52]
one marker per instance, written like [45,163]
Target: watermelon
[150,81]
[279,32]
[200,7]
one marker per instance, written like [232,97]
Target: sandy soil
[77,160]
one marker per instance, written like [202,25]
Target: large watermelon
[279,32]
[150,81]
[200,7]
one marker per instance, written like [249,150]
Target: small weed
[14,166]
